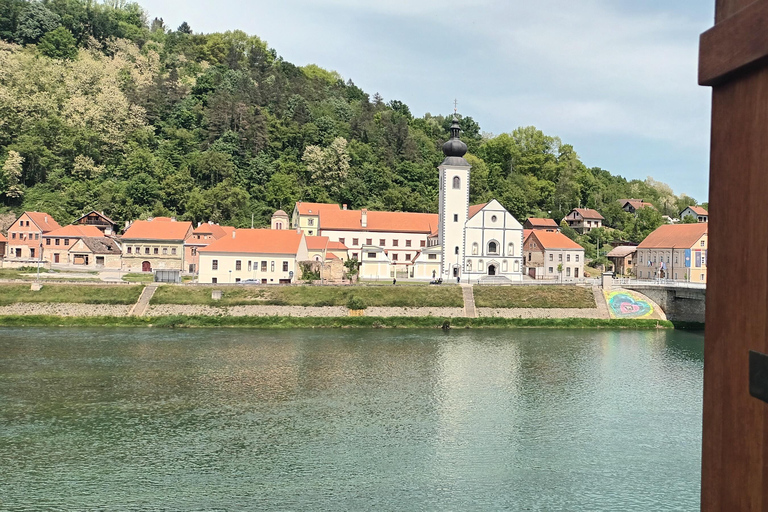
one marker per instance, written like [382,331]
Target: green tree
[34,22]
[58,44]
[10,184]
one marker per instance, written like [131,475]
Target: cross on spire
[455,106]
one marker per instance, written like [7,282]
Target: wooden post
[734,61]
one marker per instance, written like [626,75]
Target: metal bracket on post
[758,375]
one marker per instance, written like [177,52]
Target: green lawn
[62,293]
[392,296]
[550,296]
[149,278]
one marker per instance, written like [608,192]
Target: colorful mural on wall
[624,304]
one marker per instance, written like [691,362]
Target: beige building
[58,242]
[155,244]
[96,253]
[25,236]
[265,256]
[632,205]
[203,235]
[280,220]
[697,212]
[584,220]
[306,216]
[674,251]
[551,255]
[375,264]
[623,259]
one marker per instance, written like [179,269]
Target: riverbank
[366,322]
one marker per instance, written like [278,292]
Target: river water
[150,419]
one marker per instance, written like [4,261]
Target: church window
[494,218]
[456,182]
[475,248]
[511,250]
[493,248]
[456,251]
[455,217]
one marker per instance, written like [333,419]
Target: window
[311,222]
[480,265]
[354,255]
[165,250]
[249,265]
[146,250]
[568,258]
[215,265]
[511,250]
[456,182]
[47,241]
[355,241]
[701,276]
[263,266]
[58,241]
[504,266]
[550,270]
[382,242]
[493,248]
[342,240]
[641,257]
[551,257]
[66,241]
[238,265]
[156,251]
[13,236]
[395,243]
[371,254]
[568,272]
[272,266]
[37,237]
[517,266]
[455,217]
[137,250]
[423,243]
[676,257]
[675,275]
[285,266]
[475,248]
[214,280]
[408,257]
[702,244]
[456,250]
[432,257]
[194,251]
[560,257]
[129,250]
[369,241]
[237,279]
[394,257]
[494,218]
[469,265]
[577,259]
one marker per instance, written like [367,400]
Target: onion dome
[454,146]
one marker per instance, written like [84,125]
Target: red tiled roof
[331,256]
[588,213]
[698,210]
[555,240]
[337,246]
[257,241]
[2,238]
[475,208]
[678,236]
[75,231]
[526,234]
[212,229]
[622,251]
[100,214]
[315,208]
[351,220]
[43,221]
[317,243]
[637,204]
[542,223]
[158,230]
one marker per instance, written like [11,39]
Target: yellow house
[674,251]
[266,256]
[155,244]
[306,216]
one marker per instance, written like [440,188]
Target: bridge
[681,301]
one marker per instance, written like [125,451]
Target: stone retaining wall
[61,309]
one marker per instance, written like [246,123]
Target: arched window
[511,250]
[475,248]
[456,182]
[493,248]
[457,250]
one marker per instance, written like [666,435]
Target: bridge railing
[661,283]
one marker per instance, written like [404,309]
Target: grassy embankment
[387,296]
[61,293]
[148,278]
[30,274]
[549,297]
[274,322]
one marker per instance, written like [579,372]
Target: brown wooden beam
[738,42]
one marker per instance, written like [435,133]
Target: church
[463,243]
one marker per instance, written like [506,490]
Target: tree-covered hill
[101,108]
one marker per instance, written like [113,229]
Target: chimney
[173,219]
[233,233]
[127,223]
[46,219]
[344,207]
[364,218]
[199,224]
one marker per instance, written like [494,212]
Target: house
[375,263]
[96,252]
[266,255]
[280,220]
[155,244]
[317,246]
[426,264]
[3,243]
[623,258]
[93,218]
[697,212]
[545,224]
[306,216]
[553,256]
[632,205]
[584,220]
[674,251]
[203,235]
[25,236]
[58,242]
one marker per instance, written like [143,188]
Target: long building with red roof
[674,251]
[155,244]
[25,236]
[552,255]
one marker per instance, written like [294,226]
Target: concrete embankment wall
[679,304]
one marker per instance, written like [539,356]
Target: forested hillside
[101,108]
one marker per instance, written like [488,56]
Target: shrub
[356,303]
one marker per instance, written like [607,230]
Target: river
[526,419]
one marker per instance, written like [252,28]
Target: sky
[617,79]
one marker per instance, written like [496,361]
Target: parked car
[251,281]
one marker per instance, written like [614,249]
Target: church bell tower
[454,204]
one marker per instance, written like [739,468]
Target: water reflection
[520,419]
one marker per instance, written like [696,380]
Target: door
[99,261]
[576,273]
[146,267]
[455,271]
[491,270]
[56,258]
